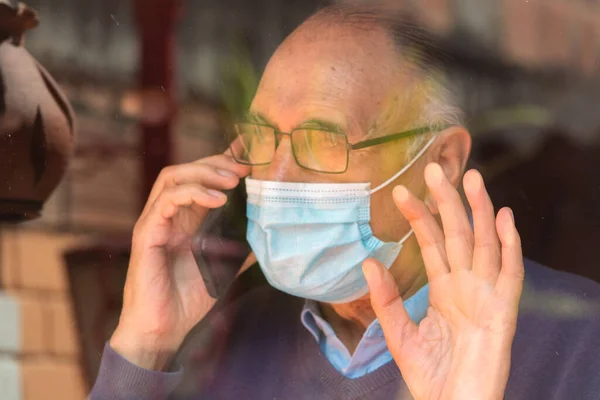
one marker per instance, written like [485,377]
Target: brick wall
[39,352]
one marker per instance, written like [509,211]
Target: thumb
[387,303]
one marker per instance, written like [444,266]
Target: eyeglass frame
[349,146]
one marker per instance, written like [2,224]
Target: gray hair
[417,49]
[440,110]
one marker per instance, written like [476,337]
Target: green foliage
[240,80]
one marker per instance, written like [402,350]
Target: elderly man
[352,152]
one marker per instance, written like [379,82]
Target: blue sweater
[258,349]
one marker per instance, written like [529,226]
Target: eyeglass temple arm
[389,138]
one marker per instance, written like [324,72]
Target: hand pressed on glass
[461,350]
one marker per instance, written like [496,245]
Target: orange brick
[34,326]
[9,273]
[52,379]
[63,329]
[41,264]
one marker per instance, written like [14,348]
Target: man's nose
[283,167]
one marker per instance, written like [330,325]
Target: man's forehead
[338,75]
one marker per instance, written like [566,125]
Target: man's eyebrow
[320,124]
[314,123]
[258,118]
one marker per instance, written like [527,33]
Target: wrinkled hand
[461,349]
[165,295]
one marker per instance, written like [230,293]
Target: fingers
[457,230]
[427,231]
[510,279]
[227,162]
[170,201]
[236,148]
[188,195]
[486,253]
[387,303]
[217,172]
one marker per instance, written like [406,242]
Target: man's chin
[359,310]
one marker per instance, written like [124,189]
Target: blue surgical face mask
[310,239]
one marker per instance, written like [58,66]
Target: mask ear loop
[407,166]
[393,178]
[401,241]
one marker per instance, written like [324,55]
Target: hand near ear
[461,349]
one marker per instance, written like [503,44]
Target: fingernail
[401,193]
[512,216]
[225,173]
[215,193]
[367,270]
[436,173]
[477,181]
[371,271]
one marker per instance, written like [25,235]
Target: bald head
[333,64]
[370,59]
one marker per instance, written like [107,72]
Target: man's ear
[451,151]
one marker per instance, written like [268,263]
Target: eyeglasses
[317,150]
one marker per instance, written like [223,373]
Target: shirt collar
[313,321]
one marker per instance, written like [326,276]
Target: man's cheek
[384,217]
